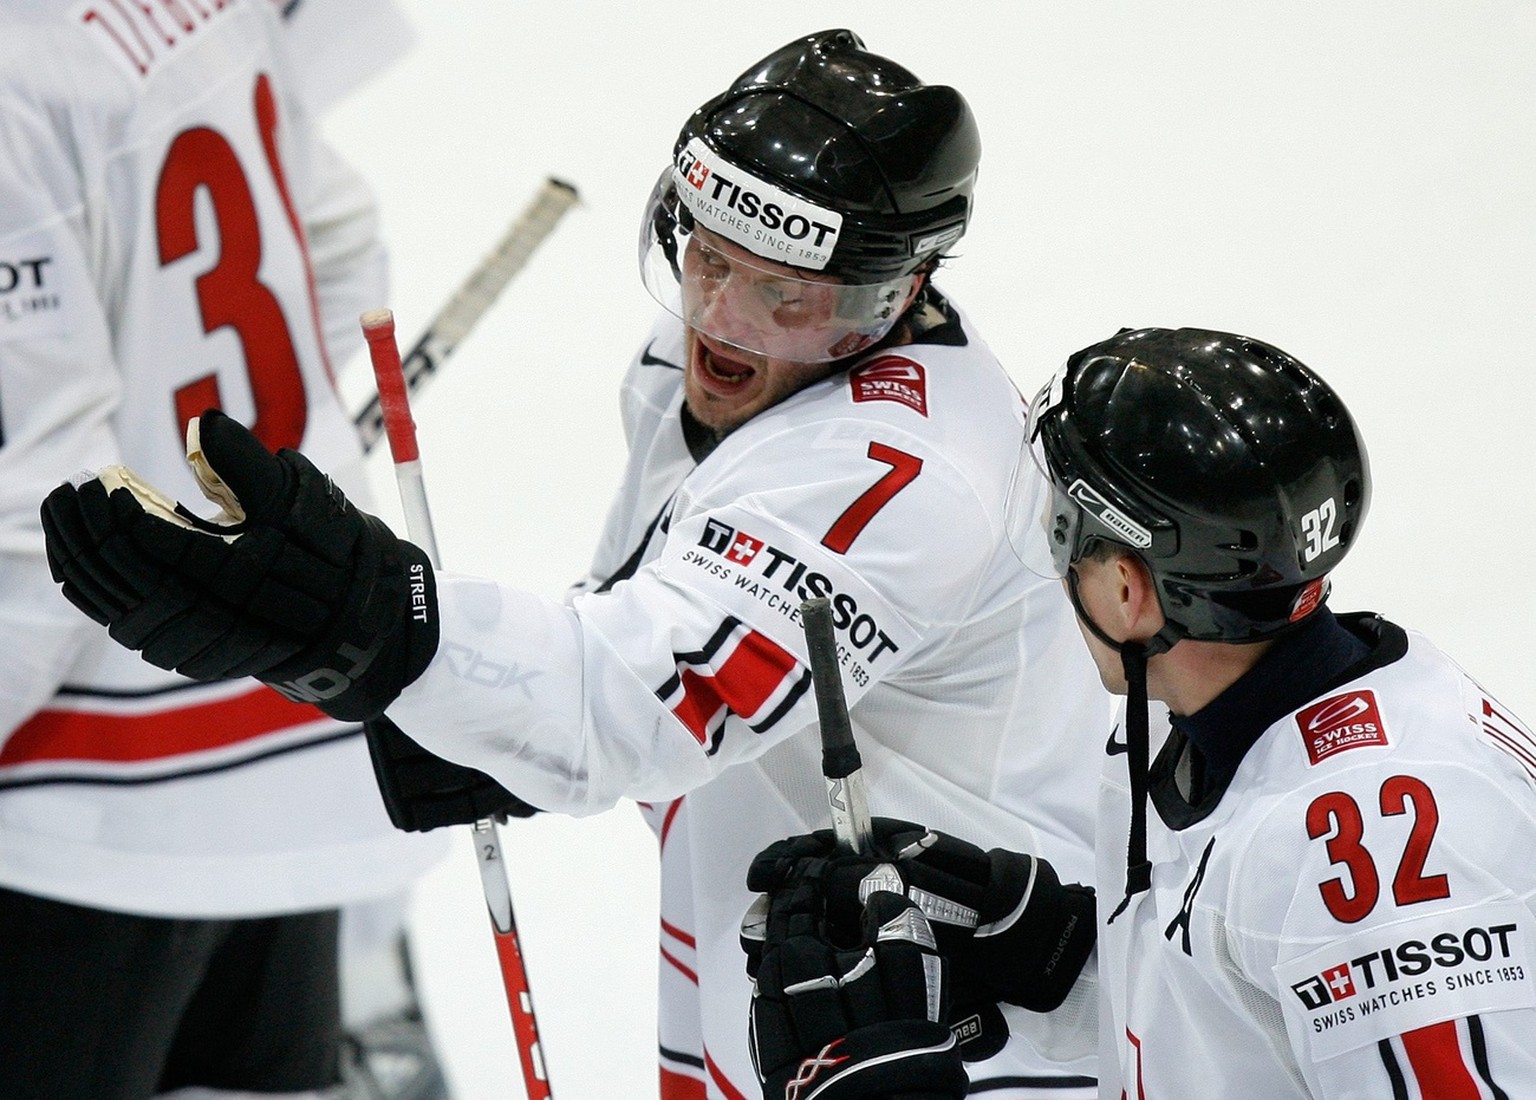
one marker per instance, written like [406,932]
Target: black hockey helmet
[1230,468]
[826,158]
[849,130]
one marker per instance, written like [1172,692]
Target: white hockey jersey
[1353,917]
[675,673]
[172,236]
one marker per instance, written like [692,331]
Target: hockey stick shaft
[840,761]
[469,303]
[400,429]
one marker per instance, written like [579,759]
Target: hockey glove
[422,791]
[863,1021]
[1011,929]
[292,584]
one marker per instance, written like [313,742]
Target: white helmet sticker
[1092,502]
[752,212]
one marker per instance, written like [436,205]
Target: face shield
[703,261]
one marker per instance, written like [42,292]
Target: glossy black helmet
[1230,468]
[846,133]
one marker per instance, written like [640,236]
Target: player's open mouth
[721,373]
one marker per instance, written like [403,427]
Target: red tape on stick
[379,331]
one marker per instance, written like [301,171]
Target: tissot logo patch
[32,299]
[1340,722]
[766,570]
[891,378]
[1409,974]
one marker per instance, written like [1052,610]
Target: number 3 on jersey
[230,293]
[903,469]
[1337,815]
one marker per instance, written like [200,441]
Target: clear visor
[1044,523]
[717,287]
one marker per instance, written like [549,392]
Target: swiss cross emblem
[743,549]
[1340,984]
[698,172]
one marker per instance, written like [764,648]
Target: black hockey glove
[422,791]
[1011,929]
[862,1020]
[292,585]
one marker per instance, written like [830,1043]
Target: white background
[1355,182]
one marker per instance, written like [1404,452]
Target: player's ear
[1136,606]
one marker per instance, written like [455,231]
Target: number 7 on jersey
[904,468]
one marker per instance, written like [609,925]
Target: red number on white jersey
[903,469]
[1338,814]
[230,294]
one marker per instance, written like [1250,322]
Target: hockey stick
[395,409]
[840,761]
[474,297]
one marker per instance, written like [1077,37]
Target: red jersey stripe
[685,971]
[721,1081]
[671,815]
[1434,1053]
[744,682]
[674,1086]
[701,702]
[74,735]
[678,934]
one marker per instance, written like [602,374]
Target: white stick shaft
[418,515]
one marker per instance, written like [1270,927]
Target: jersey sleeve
[1401,952]
[698,661]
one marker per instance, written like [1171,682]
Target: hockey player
[172,855]
[1333,895]
[809,416]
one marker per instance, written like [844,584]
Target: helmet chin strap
[1133,663]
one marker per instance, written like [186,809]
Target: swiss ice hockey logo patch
[891,378]
[1347,721]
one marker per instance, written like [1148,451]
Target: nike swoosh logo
[649,360]
[1113,747]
